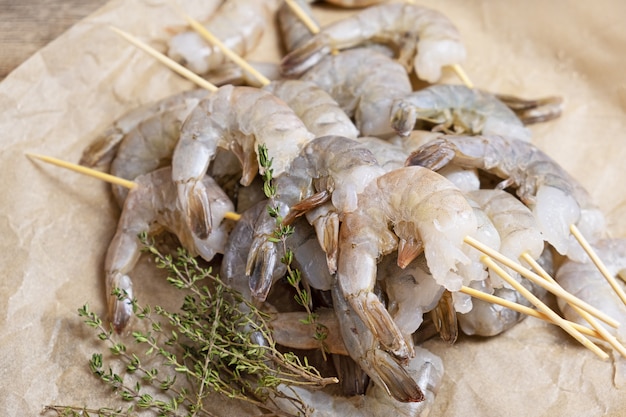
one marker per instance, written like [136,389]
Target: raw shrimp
[585,282]
[515,225]
[412,291]
[407,390]
[319,112]
[103,149]
[239,24]
[556,199]
[533,111]
[329,168]
[427,213]
[238,119]
[488,319]
[151,207]
[150,144]
[456,108]
[365,94]
[293,31]
[426,39]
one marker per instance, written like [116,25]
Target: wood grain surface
[28,25]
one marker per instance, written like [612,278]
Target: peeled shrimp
[514,223]
[103,149]
[365,94]
[426,39]
[293,31]
[239,24]
[556,199]
[238,119]
[427,213]
[151,207]
[459,109]
[585,282]
[319,112]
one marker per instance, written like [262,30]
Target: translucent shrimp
[408,390]
[488,319]
[426,39]
[103,149]
[239,24]
[362,93]
[238,119]
[556,199]
[330,169]
[353,3]
[585,282]
[459,109]
[319,112]
[427,213]
[151,207]
[514,223]
[293,31]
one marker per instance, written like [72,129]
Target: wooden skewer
[598,262]
[104,176]
[561,322]
[308,22]
[523,309]
[174,66]
[460,72]
[604,333]
[554,289]
[197,26]
[84,170]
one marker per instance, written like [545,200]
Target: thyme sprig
[204,349]
[280,236]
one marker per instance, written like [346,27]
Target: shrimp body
[319,112]
[239,24]
[426,39]
[556,199]
[514,223]
[238,119]
[329,169]
[462,109]
[427,213]
[152,207]
[585,282]
[362,93]
[103,149]
[293,31]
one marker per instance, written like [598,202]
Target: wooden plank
[28,25]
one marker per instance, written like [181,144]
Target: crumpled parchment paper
[56,225]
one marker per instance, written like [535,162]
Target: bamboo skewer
[561,322]
[604,333]
[523,309]
[84,170]
[308,22]
[598,263]
[197,26]
[554,289]
[174,66]
[104,176]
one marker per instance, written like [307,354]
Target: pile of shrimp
[382,183]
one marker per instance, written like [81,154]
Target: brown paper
[56,225]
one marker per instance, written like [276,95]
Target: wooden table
[28,25]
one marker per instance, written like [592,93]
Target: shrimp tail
[408,250]
[299,61]
[434,155]
[260,267]
[119,306]
[305,205]
[445,318]
[403,117]
[372,311]
[394,377]
[327,229]
[199,212]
